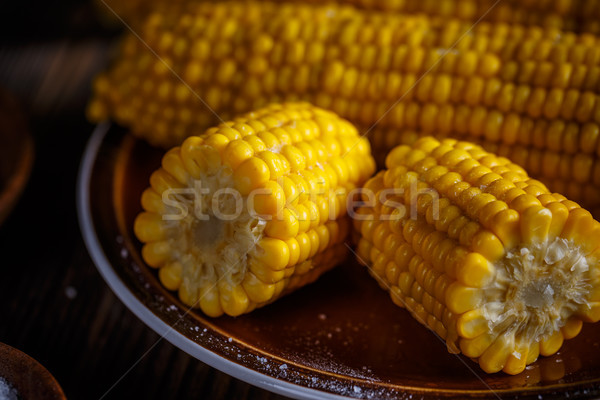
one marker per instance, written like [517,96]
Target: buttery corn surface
[254,208]
[480,253]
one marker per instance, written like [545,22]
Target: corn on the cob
[499,83]
[237,56]
[265,201]
[574,15]
[486,257]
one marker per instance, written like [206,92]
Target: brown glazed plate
[30,379]
[340,337]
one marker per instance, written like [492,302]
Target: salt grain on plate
[70,292]
[7,392]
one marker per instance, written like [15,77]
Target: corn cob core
[483,255]
[254,208]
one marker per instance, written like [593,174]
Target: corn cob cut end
[254,208]
[480,253]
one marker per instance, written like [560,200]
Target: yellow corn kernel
[251,174]
[270,200]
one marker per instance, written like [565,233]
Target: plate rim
[118,287]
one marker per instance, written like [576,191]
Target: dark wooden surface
[54,305]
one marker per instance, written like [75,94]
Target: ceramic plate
[339,337]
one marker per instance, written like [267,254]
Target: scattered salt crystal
[124,253]
[7,392]
[322,317]
[524,251]
[313,379]
[229,340]
[70,292]
[580,265]
[197,328]
[204,330]
[172,307]
[540,397]
[283,367]
[357,389]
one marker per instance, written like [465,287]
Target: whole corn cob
[496,83]
[484,256]
[570,15]
[358,63]
[254,208]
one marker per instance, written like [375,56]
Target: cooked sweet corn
[480,253]
[499,83]
[254,208]
[237,55]
[570,15]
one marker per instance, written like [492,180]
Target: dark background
[54,305]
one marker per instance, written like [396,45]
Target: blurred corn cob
[486,257]
[494,83]
[265,197]
[572,15]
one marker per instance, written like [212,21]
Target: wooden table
[54,304]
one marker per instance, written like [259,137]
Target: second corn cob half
[254,208]
[486,257]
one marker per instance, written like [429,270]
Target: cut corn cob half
[480,253]
[254,208]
